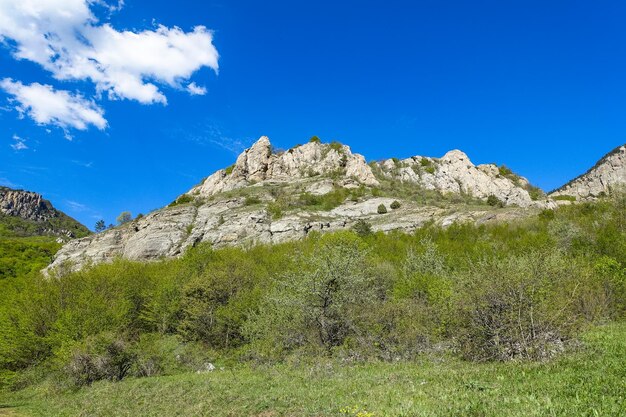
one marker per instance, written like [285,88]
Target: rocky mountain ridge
[609,172]
[272,197]
[26,213]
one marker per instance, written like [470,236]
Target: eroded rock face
[608,173]
[258,164]
[455,173]
[220,215]
[25,204]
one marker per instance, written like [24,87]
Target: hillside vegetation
[341,313]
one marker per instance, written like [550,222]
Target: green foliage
[324,202]
[124,217]
[517,308]
[493,292]
[183,199]
[251,200]
[587,383]
[229,170]
[275,209]
[13,226]
[336,146]
[505,171]
[23,256]
[318,306]
[362,228]
[315,139]
[100,226]
[381,209]
[494,201]
[395,205]
[215,304]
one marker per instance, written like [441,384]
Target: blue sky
[536,85]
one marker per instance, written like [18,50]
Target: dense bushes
[500,292]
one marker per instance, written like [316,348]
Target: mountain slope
[25,213]
[608,173]
[272,197]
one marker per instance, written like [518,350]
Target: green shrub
[251,200]
[505,171]
[395,205]
[362,228]
[229,170]
[519,307]
[381,209]
[319,306]
[315,139]
[275,210]
[183,199]
[494,201]
[106,356]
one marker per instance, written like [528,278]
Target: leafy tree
[382,209]
[124,217]
[320,304]
[395,205]
[100,226]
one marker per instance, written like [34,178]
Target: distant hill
[31,232]
[25,213]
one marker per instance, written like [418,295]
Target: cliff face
[258,164]
[607,174]
[25,213]
[25,204]
[268,197]
[454,173]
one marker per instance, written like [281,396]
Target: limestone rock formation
[607,174]
[259,164]
[268,197]
[455,173]
[25,204]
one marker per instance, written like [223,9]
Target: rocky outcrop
[454,173]
[258,164]
[607,174]
[36,216]
[26,205]
[269,197]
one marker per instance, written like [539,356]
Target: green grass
[590,382]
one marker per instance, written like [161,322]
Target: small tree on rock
[124,217]
[382,209]
[100,226]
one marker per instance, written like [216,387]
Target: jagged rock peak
[608,173]
[25,204]
[455,173]
[259,163]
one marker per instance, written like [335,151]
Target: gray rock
[608,173]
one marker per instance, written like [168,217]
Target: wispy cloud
[83,163]
[19,144]
[79,208]
[76,206]
[211,134]
[8,183]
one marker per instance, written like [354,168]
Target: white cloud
[19,143]
[65,38]
[48,106]
[196,90]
